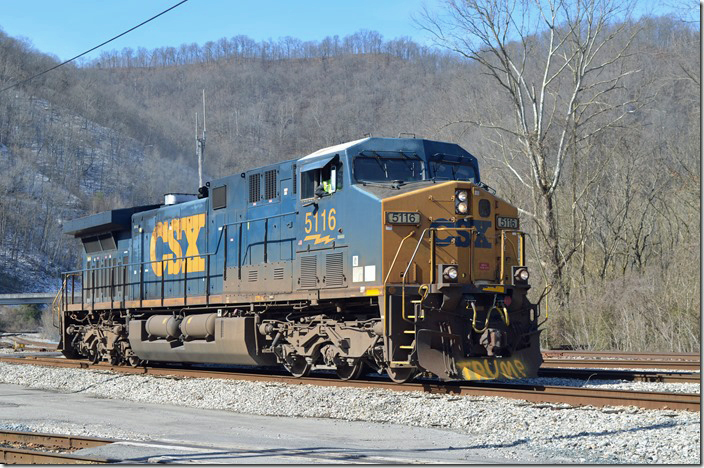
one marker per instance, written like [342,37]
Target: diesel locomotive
[383,254]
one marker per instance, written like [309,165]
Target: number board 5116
[402,217]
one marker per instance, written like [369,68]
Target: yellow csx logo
[171,233]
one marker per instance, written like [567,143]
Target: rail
[14,448]
[576,396]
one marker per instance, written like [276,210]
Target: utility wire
[91,50]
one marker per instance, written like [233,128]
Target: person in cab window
[326,186]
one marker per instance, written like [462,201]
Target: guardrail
[27,298]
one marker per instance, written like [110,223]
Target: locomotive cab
[453,266]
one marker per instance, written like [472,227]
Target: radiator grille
[254,188]
[309,267]
[270,184]
[278,274]
[334,272]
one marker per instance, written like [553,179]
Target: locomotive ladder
[401,355]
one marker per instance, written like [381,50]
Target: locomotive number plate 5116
[503,222]
[402,217]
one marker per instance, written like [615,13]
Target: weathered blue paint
[263,233]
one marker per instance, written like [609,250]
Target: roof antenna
[200,146]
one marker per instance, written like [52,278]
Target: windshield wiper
[486,187]
[394,184]
[377,158]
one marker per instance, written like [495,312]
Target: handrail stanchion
[224,263]
[185,284]
[162,282]
[124,286]
[207,280]
[141,283]
[503,257]
[112,287]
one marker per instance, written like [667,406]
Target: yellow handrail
[501,311]
[387,279]
[503,257]
[56,309]
[432,259]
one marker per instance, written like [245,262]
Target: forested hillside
[119,131]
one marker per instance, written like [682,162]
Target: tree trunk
[558,296]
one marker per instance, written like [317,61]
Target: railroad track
[628,375]
[576,396]
[35,344]
[621,364]
[31,448]
[548,354]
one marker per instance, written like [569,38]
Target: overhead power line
[91,50]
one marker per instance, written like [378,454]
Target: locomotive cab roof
[431,156]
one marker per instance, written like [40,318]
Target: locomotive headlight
[450,273]
[522,274]
[461,195]
[462,207]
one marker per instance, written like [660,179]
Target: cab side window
[321,182]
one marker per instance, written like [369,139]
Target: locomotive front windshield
[451,167]
[405,168]
[387,169]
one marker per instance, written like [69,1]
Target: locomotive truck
[383,254]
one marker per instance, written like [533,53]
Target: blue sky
[66,28]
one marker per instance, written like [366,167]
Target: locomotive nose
[453,261]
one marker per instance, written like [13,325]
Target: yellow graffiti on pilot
[481,369]
[171,232]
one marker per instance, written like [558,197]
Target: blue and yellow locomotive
[381,253]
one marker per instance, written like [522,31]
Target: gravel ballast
[584,434]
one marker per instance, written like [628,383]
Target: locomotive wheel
[298,367]
[350,372]
[70,353]
[134,361]
[93,354]
[402,375]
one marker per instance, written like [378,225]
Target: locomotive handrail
[124,283]
[393,262]
[504,239]
[433,230]
[56,304]
[217,250]
[141,264]
[386,280]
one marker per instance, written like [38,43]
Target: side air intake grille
[254,188]
[334,272]
[253,276]
[270,184]
[278,274]
[219,198]
[309,272]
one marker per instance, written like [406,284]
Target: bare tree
[559,66]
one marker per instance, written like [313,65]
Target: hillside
[119,131]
